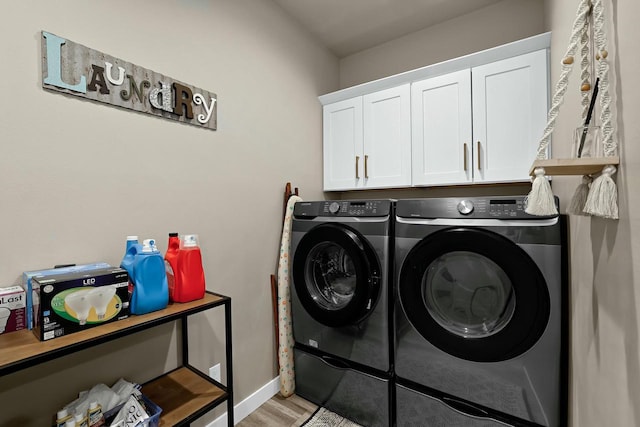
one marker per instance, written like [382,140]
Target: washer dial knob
[334,207]
[465,207]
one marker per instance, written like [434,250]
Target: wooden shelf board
[583,166]
[180,394]
[24,346]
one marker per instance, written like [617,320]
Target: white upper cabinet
[387,138]
[367,141]
[510,100]
[479,125]
[441,130]
[342,148]
[473,119]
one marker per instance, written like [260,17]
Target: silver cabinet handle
[366,160]
[465,156]
[357,161]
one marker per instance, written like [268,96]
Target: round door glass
[468,294]
[330,276]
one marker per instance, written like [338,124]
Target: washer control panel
[342,208]
[499,207]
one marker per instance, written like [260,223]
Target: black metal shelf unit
[21,350]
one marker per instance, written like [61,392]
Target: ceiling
[349,26]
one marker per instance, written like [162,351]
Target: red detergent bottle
[171,263]
[191,283]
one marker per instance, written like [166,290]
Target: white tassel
[540,200]
[576,207]
[603,195]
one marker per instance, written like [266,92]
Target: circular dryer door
[336,275]
[474,294]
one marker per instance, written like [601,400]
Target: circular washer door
[474,294]
[336,275]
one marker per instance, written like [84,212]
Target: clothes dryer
[480,313]
[340,293]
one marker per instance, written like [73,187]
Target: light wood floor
[280,412]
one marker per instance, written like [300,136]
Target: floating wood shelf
[582,166]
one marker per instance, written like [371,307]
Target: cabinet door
[387,138]
[342,144]
[441,129]
[509,114]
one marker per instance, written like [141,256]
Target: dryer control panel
[342,208]
[500,207]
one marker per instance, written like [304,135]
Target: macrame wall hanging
[597,194]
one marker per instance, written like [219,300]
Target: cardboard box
[12,309]
[79,300]
[31,293]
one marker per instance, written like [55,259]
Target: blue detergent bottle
[133,247]
[150,288]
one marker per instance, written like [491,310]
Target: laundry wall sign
[74,69]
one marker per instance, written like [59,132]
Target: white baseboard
[250,404]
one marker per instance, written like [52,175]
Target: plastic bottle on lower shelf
[81,420]
[96,417]
[62,417]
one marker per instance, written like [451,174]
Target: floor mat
[325,418]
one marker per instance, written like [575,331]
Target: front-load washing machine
[480,313]
[340,271]
[340,298]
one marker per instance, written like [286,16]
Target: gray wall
[605,260]
[76,177]
[500,23]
